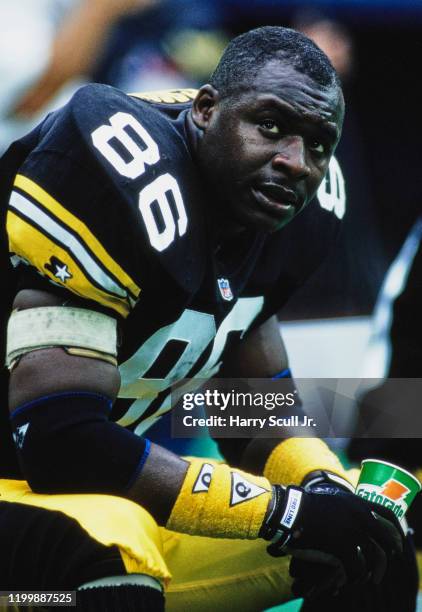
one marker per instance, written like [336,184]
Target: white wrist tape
[53,326]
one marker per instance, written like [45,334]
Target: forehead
[279,82]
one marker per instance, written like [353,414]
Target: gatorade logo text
[392,494]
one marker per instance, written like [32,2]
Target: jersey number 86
[155,192]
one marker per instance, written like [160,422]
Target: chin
[262,222]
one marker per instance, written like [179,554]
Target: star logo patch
[59,269]
[62,272]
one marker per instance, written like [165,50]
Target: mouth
[275,199]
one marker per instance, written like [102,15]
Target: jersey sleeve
[45,234]
[97,208]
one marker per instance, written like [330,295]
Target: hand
[414,519]
[335,529]
[398,589]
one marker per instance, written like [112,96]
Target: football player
[153,239]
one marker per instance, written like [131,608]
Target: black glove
[396,592]
[414,519]
[333,527]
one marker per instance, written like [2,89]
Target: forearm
[282,458]
[66,444]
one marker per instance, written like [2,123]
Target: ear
[204,105]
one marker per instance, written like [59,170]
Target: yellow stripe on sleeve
[61,213]
[32,245]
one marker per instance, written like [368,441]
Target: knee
[46,549]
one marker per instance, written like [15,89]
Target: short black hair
[245,55]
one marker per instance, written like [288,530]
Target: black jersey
[107,205]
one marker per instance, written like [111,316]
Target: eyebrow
[329,127]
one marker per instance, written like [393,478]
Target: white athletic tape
[51,326]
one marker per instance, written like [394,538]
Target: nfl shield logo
[224,286]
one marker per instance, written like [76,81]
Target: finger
[295,568]
[361,572]
[333,583]
[300,568]
[312,578]
[322,580]
[387,534]
[355,565]
[275,551]
[314,556]
[376,560]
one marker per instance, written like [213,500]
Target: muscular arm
[261,354]
[50,371]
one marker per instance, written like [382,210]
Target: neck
[222,225]
[194,135]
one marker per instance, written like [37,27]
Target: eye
[317,147]
[269,125]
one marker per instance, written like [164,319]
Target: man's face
[266,150]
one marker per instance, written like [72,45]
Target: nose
[291,157]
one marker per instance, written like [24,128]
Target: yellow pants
[199,574]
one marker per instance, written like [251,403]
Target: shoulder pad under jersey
[108,199]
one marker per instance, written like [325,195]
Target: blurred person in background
[48,49]
[175,43]
[76,47]
[131,44]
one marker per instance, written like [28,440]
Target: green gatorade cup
[387,484]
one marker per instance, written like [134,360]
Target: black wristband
[270,525]
[323,477]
